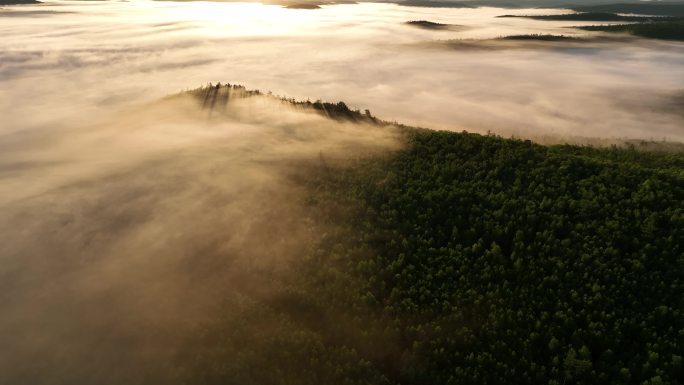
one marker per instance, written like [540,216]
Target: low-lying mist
[76,58]
[121,238]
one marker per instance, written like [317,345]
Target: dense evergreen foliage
[505,262]
[469,259]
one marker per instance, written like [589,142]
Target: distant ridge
[18,2]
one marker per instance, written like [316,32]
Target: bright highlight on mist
[94,55]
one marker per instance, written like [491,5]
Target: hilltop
[465,258]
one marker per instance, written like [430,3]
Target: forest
[428,25]
[537,36]
[472,259]
[665,30]
[585,16]
[17,2]
[644,8]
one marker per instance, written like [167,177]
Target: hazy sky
[69,59]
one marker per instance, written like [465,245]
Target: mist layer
[61,59]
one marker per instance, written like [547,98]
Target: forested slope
[666,30]
[469,259]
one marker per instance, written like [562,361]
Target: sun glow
[243,18]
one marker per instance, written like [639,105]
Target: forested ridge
[590,16]
[668,30]
[470,259]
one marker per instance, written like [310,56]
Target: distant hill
[303,6]
[18,2]
[644,8]
[436,4]
[427,24]
[585,16]
[540,37]
[424,24]
[625,6]
[664,30]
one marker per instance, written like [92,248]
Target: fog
[74,58]
[121,239]
[128,218]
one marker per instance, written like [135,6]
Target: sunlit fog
[78,58]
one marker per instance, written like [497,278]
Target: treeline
[469,259]
[218,96]
[666,30]
[18,2]
[428,24]
[537,36]
[660,8]
[586,16]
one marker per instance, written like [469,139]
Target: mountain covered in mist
[463,258]
[263,240]
[224,235]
